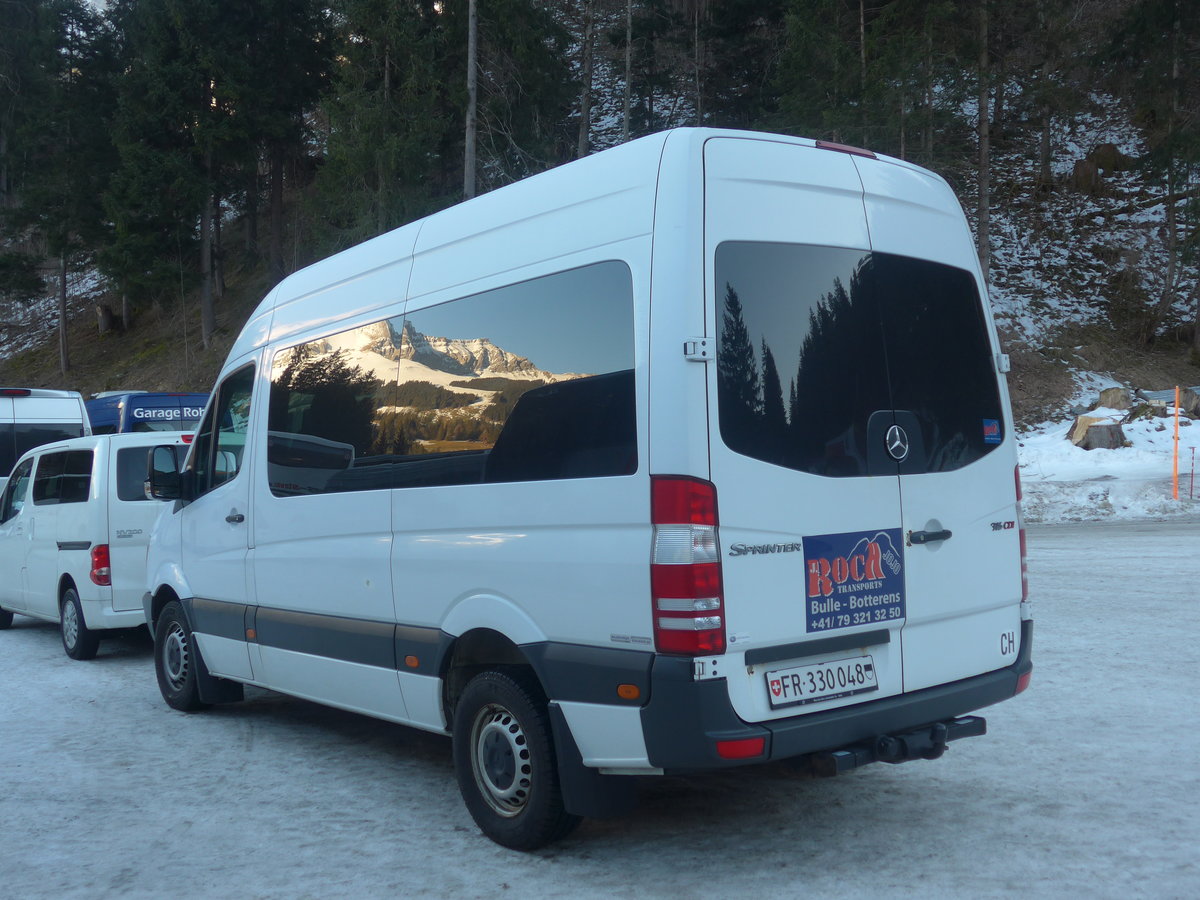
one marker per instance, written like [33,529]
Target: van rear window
[817,345]
[21,437]
[132,463]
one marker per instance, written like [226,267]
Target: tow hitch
[928,742]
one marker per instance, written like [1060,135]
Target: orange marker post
[1175,455]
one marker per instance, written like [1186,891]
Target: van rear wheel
[79,641]
[176,660]
[504,760]
[5,619]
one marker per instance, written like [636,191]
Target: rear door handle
[929,537]
[235,517]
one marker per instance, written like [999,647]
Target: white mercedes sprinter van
[692,454]
[75,522]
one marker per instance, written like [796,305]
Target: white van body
[683,558]
[30,417]
[75,523]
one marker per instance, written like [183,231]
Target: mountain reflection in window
[813,340]
[428,399]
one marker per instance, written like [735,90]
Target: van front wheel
[176,660]
[79,641]
[504,759]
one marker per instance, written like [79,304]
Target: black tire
[504,760]
[78,640]
[176,660]
[5,619]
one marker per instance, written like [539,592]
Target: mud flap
[585,791]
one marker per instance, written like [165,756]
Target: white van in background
[74,525]
[30,417]
[692,454]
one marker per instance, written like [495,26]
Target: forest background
[164,162]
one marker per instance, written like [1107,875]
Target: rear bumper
[685,718]
[99,614]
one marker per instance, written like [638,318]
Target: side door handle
[929,537]
[235,517]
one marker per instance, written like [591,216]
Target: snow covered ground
[1085,785]
[1063,483]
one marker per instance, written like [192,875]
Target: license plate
[821,681]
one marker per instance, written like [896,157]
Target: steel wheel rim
[70,624]
[174,656]
[500,760]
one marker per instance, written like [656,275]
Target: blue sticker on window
[853,579]
[991,431]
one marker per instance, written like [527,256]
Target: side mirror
[163,481]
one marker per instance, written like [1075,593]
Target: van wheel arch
[471,653]
[163,596]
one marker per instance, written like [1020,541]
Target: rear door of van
[958,480]
[863,507]
[809,507]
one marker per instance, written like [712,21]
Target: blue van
[119,412]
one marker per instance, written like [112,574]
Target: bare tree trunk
[628,66]
[208,319]
[928,140]
[126,311]
[218,264]
[64,357]
[983,235]
[472,87]
[585,91]
[275,250]
[698,61]
[862,65]
[252,212]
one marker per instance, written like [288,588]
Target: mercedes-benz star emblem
[897,443]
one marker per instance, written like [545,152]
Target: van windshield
[816,344]
[16,439]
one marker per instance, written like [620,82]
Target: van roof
[40,393]
[621,170]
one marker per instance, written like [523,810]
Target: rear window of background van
[527,382]
[815,342]
[17,439]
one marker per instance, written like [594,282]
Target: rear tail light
[15,392]
[685,570]
[101,571]
[1024,546]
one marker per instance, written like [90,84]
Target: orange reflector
[251,634]
[1023,681]
[741,749]
[628,691]
[412,662]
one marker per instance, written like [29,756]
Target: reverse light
[685,571]
[101,570]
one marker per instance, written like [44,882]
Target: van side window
[527,382]
[132,463]
[16,439]
[221,438]
[16,491]
[63,478]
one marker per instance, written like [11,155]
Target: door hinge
[698,349]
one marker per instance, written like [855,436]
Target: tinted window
[531,381]
[16,440]
[16,491]
[221,439]
[132,465]
[820,349]
[63,477]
